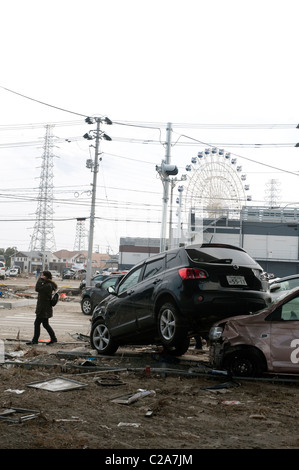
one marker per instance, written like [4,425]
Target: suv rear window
[214,254]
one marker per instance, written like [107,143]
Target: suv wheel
[243,364]
[101,340]
[172,335]
[86,306]
[180,349]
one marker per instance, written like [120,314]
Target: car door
[121,313]
[152,277]
[284,336]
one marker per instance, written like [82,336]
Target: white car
[55,273]
[2,270]
[12,272]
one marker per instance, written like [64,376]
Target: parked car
[68,273]
[282,284]
[265,342]
[94,295]
[2,270]
[54,273]
[176,294]
[95,279]
[99,278]
[12,272]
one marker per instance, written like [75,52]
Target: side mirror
[275,287]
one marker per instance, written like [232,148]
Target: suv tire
[86,306]
[180,349]
[101,340]
[172,335]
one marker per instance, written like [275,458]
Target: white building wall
[271,246]
[132,258]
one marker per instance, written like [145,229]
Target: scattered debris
[89,363]
[80,337]
[257,416]
[224,385]
[10,415]
[231,402]
[73,419]
[129,399]
[57,384]
[18,392]
[110,381]
[132,425]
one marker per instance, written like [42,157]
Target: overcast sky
[143,64]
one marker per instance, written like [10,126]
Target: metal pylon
[80,235]
[43,236]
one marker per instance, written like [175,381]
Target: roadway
[17,322]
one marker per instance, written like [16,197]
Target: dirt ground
[186,407]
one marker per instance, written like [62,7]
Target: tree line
[7,253]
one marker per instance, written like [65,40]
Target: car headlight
[215,333]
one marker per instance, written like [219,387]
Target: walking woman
[45,287]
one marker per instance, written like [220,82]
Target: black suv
[94,295]
[177,294]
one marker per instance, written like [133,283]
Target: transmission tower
[272,193]
[43,236]
[80,235]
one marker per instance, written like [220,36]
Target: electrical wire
[42,102]
[245,158]
[155,125]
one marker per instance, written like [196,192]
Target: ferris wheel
[216,185]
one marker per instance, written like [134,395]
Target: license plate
[236,280]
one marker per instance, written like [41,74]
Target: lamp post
[173,183]
[94,166]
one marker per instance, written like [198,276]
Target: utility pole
[97,135]
[165,170]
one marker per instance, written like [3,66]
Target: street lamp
[97,135]
[173,183]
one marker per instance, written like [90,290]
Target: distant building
[133,250]
[269,235]
[30,261]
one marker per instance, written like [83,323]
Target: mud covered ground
[187,408]
[180,412]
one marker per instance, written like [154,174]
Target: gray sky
[143,64]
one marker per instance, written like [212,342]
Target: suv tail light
[192,273]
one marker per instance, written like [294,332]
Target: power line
[155,125]
[245,158]
[42,102]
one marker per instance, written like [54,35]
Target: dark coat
[45,290]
